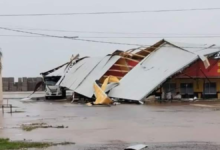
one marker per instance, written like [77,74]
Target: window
[51,80]
[186,88]
[50,83]
[210,88]
[170,87]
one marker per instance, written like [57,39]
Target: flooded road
[117,125]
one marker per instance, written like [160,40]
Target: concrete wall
[23,84]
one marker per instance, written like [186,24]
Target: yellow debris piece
[101,97]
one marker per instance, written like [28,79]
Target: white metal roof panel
[84,71]
[81,76]
[76,74]
[69,77]
[86,86]
[208,51]
[153,71]
[200,49]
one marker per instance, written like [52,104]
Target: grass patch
[28,128]
[6,144]
[34,126]
[64,143]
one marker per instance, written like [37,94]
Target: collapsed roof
[82,74]
[58,71]
[161,64]
[141,73]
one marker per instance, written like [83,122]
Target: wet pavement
[162,126]
[152,146]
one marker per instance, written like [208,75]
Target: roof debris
[137,147]
[139,71]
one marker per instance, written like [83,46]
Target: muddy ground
[153,146]
[162,126]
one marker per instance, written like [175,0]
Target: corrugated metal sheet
[199,49]
[136,147]
[68,78]
[86,87]
[81,76]
[152,71]
[84,71]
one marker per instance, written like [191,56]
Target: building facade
[197,81]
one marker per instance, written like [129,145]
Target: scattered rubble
[137,147]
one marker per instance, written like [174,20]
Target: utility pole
[1,91]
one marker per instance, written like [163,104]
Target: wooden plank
[118,65]
[131,59]
[114,76]
[145,51]
[125,62]
[114,70]
[137,55]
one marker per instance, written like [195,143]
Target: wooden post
[11,109]
[218,96]
[199,95]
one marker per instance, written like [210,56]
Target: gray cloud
[30,56]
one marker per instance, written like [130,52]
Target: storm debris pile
[140,72]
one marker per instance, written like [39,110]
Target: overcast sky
[25,56]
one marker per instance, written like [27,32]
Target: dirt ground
[162,126]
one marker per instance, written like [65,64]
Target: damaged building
[197,81]
[188,69]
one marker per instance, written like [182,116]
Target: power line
[102,32]
[85,40]
[150,37]
[88,37]
[21,36]
[106,13]
[66,37]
